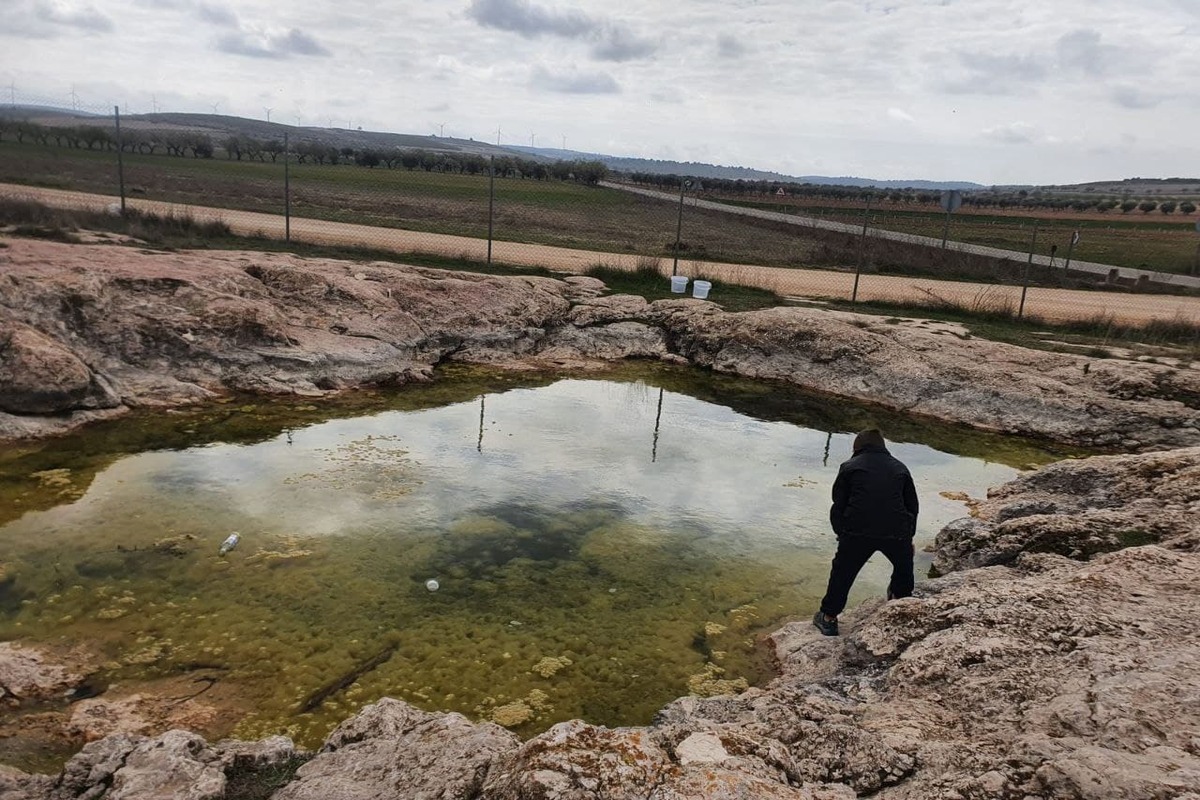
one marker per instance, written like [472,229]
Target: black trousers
[852,553]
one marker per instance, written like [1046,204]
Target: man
[874,510]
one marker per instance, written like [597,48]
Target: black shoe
[825,626]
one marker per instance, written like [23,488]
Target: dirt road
[1049,304]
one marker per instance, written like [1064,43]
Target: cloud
[528,20]
[574,82]
[217,15]
[1013,133]
[730,47]
[263,45]
[1135,97]
[617,43]
[990,74]
[45,19]
[1081,50]
[899,115]
[611,41]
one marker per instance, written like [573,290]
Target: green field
[558,213]
[1134,240]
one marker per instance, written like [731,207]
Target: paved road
[1101,270]
[1049,304]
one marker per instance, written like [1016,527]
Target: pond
[520,548]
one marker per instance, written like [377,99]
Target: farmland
[573,214]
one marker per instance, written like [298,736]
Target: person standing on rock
[874,510]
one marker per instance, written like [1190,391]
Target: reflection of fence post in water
[657,419]
[1028,266]
[828,441]
[862,249]
[120,157]
[479,444]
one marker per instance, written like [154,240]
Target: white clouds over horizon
[996,91]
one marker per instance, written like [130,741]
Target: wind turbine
[74,99]
[154,102]
[532,136]
[497,136]
[215,107]
[441,129]
[564,141]
[268,110]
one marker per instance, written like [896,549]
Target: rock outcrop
[1049,678]
[1080,508]
[90,330]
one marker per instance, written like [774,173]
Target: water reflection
[601,545]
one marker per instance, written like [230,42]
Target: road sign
[951,201]
[1075,238]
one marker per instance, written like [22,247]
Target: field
[574,215]
[1165,243]
[542,212]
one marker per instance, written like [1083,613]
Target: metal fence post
[120,158]
[862,248]
[678,228]
[1028,266]
[287,193]
[491,205]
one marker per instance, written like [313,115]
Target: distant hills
[699,170]
[221,126]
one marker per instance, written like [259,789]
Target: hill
[700,170]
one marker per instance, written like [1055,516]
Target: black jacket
[874,496]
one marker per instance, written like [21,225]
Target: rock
[27,673]
[91,771]
[1079,508]
[390,749]
[174,766]
[172,328]
[38,375]
[16,785]
[577,760]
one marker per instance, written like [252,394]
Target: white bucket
[679,284]
[700,289]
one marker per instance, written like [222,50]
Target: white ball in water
[432,585]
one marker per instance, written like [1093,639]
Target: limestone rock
[38,375]
[174,766]
[577,760]
[17,785]
[1079,508]
[390,749]
[26,673]
[171,328]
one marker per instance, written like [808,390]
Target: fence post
[491,205]
[287,192]
[120,158]
[862,248]
[683,182]
[1028,265]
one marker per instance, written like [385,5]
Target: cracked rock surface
[88,331]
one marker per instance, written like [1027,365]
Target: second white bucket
[700,289]
[679,284]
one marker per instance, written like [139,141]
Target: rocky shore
[89,331]
[1057,657]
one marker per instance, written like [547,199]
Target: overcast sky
[994,91]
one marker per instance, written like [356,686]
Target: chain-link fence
[481,202]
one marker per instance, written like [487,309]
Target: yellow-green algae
[546,611]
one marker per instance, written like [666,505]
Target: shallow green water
[602,544]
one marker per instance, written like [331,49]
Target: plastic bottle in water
[229,543]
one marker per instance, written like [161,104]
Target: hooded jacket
[874,496]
